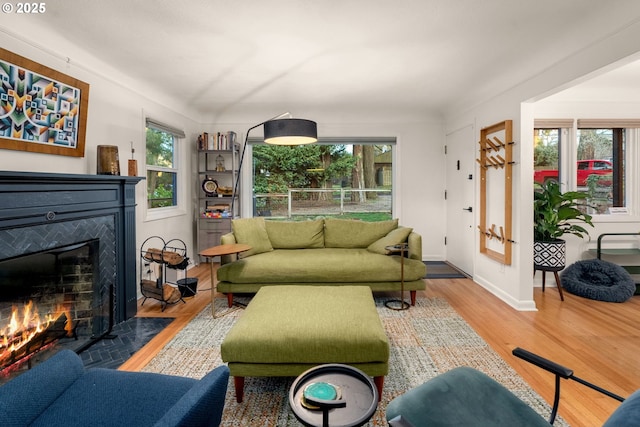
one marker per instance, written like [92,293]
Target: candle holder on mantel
[108,161]
[133,164]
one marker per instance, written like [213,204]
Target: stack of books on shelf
[216,141]
[219,210]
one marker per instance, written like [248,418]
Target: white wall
[116,116]
[118,107]
[514,284]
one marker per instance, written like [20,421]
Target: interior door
[460,166]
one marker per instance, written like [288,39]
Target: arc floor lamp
[280,130]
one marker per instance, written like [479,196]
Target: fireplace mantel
[36,199]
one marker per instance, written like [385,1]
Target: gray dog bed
[598,280]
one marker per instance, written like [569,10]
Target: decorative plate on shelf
[210,186]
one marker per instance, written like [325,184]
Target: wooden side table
[220,250]
[400,304]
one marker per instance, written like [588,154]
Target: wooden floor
[599,341]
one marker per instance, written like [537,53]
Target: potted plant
[556,214]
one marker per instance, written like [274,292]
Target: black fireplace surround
[45,211]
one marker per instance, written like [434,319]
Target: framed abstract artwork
[41,110]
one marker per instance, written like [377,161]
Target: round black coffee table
[355,403]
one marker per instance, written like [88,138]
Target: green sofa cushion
[252,232]
[326,265]
[394,237]
[348,233]
[306,324]
[296,234]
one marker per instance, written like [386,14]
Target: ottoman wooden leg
[413,297]
[230,299]
[379,382]
[238,382]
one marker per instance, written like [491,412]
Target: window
[350,178]
[546,154]
[600,155]
[594,152]
[162,165]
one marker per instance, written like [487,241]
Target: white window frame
[179,209]
[247,176]
[568,159]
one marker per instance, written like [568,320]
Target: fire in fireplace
[27,333]
[50,298]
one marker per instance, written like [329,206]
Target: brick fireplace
[72,236]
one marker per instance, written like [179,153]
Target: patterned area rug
[425,340]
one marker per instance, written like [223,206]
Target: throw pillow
[252,232]
[349,233]
[395,237]
[296,234]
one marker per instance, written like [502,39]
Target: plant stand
[550,256]
[544,274]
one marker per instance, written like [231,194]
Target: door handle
[470,209]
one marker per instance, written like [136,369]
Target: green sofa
[320,252]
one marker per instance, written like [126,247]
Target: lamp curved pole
[244,148]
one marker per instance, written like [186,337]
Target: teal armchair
[467,397]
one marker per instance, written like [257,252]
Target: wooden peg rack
[496,170]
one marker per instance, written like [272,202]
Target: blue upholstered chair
[467,397]
[60,392]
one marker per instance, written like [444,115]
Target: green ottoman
[286,330]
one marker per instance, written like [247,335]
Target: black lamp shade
[290,132]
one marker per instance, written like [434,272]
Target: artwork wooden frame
[41,110]
[496,170]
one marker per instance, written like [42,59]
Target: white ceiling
[216,57]
[621,84]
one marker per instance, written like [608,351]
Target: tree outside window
[162,170]
[352,180]
[546,146]
[600,155]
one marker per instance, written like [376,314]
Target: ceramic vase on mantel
[549,256]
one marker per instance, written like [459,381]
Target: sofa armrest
[228,239]
[415,246]
[202,404]
[25,397]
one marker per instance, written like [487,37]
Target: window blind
[178,133]
[552,123]
[608,123]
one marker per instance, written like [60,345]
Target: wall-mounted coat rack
[496,169]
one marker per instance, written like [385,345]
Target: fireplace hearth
[50,296]
[68,241]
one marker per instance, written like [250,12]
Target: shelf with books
[218,164]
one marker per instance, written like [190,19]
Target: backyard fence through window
[303,203]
